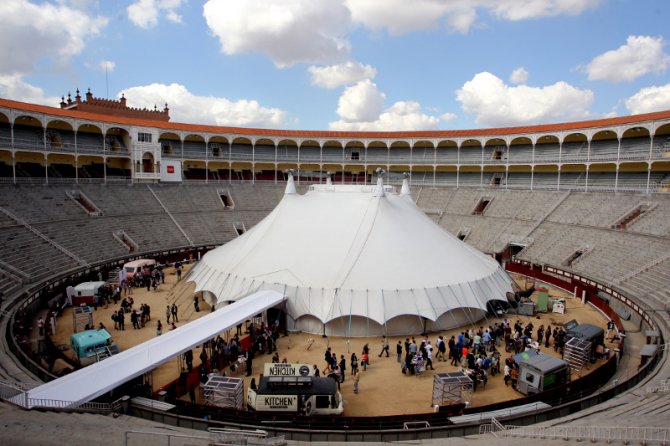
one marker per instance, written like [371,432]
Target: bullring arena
[582,208]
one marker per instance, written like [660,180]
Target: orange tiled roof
[321,134]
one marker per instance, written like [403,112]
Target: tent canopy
[350,251]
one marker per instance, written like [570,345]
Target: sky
[387,65]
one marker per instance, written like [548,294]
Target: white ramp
[90,382]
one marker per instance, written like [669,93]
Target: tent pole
[486,318]
[450,311]
[351,303]
[469,311]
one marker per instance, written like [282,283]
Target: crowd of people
[478,352]
[138,317]
[221,356]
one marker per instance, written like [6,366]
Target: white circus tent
[355,260]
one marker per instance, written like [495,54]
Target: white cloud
[30,32]
[145,13]
[286,31]
[397,16]
[107,66]
[531,9]
[361,108]
[519,76]
[649,100]
[187,107]
[402,16]
[496,104]
[13,87]
[334,76]
[448,117]
[639,56]
[403,115]
[361,102]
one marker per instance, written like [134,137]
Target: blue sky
[345,64]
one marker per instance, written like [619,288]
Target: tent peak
[379,190]
[404,190]
[290,184]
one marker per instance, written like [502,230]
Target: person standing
[398,352]
[168,313]
[159,328]
[328,357]
[357,377]
[40,326]
[343,368]
[188,359]
[133,319]
[249,360]
[174,313]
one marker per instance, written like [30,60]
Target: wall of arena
[79,193]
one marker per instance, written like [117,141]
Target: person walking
[385,347]
[364,360]
[429,356]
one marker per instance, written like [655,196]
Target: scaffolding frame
[577,352]
[224,391]
[82,318]
[451,388]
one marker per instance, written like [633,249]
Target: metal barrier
[13,391]
[141,438]
[219,436]
[663,387]
[17,393]
[415,425]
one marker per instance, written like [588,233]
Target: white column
[532,175]
[616,178]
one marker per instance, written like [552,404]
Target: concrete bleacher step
[631,407]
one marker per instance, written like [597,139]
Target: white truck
[290,388]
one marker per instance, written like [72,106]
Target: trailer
[86,293]
[541,372]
